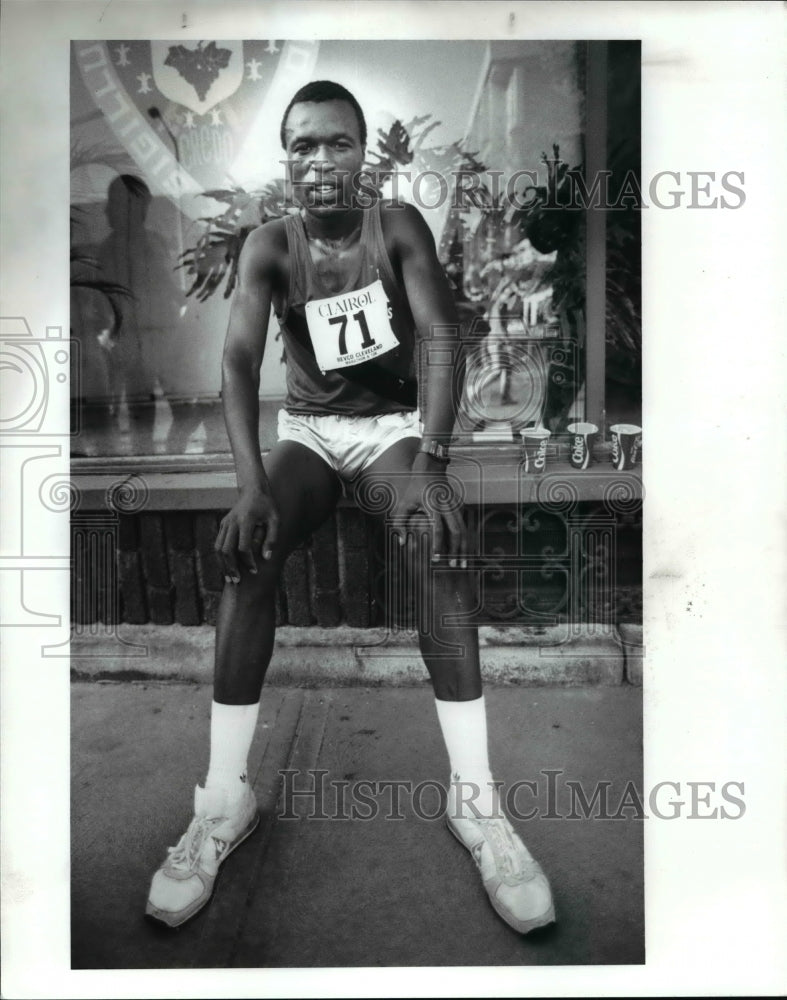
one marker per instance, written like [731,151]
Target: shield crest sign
[200,75]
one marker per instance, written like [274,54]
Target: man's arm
[437,323]
[244,348]
[436,318]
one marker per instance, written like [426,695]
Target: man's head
[323,132]
[317,92]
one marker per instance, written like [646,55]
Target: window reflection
[505,128]
[136,339]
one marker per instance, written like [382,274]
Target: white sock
[463,724]
[231,732]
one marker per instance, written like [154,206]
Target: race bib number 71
[350,328]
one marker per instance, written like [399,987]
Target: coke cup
[581,445]
[626,445]
[534,449]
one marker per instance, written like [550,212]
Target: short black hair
[324,90]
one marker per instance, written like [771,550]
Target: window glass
[623,386]
[175,157]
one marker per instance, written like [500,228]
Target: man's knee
[258,585]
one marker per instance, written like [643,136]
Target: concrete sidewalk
[326,892]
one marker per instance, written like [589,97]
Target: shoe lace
[186,852]
[510,856]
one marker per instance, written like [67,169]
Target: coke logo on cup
[578,451]
[541,456]
[615,447]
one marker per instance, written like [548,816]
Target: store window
[175,158]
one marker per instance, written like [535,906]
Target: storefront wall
[144,152]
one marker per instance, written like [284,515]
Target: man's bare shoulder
[400,215]
[265,251]
[267,243]
[404,228]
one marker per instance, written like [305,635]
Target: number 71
[360,319]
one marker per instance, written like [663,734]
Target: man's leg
[450,651]
[305,490]
[517,888]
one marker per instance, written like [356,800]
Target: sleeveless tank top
[386,385]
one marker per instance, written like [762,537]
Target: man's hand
[247,532]
[431,493]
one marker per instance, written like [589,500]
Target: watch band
[435,449]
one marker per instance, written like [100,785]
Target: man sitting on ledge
[357,288]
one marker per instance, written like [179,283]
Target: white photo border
[714,302]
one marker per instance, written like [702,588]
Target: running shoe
[184,883]
[517,887]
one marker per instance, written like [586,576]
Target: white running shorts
[348,444]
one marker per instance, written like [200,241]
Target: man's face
[324,154]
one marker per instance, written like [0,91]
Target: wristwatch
[436,450]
